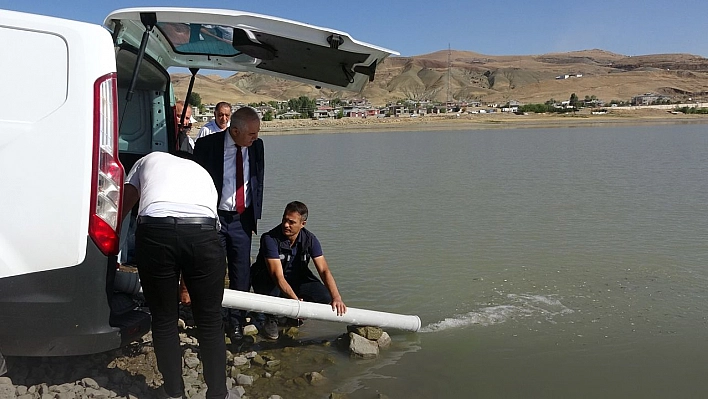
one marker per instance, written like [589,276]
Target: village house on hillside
[566,76]
[649,99]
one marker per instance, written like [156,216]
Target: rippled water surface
[561,263]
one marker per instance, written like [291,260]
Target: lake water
[543,263]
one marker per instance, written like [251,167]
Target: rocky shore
[284,368]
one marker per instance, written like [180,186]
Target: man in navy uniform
[282,266]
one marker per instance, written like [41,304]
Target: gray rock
[240,361]
[362,347]
[191,380]
[60,388]
[91,392]
[89,383]
[250,330]
[275,397]
[190,374]
[291,332]
[384,341]
[372,333]
[243,379]
[259,360]
[200,395]
[192,392]
[43,389]
[272,365]
[7,391]
[191,362]
[315,378]
[5,381]
[236,393]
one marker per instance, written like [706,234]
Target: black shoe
[185,313]
[234,333]
[270,328]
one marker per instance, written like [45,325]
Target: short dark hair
[296,206]
[222,104]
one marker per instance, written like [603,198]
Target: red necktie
[240,198]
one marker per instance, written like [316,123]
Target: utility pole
[449,63]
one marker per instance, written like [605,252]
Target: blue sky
[415,27]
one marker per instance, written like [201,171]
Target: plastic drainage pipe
[308,310]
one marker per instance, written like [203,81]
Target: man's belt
[177,221]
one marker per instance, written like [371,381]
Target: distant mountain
[474,76]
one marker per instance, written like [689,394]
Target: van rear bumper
[63,312]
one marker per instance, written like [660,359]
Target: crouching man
[281,267]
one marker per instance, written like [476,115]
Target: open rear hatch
[240,41]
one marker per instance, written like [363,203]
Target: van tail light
[107,172]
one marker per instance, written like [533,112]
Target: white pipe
[308,310]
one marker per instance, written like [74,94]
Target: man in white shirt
[222,117]
[177,234]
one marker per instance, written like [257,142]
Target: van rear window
[199,38]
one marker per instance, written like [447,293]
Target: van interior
[147,118]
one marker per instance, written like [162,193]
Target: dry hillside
[473,76]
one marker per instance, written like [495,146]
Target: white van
[74,119]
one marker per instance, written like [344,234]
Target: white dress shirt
[228,191]
[210,128]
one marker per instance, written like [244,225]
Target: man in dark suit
[234,159]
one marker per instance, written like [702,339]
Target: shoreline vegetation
[454,121]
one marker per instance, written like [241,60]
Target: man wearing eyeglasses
[184,142]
